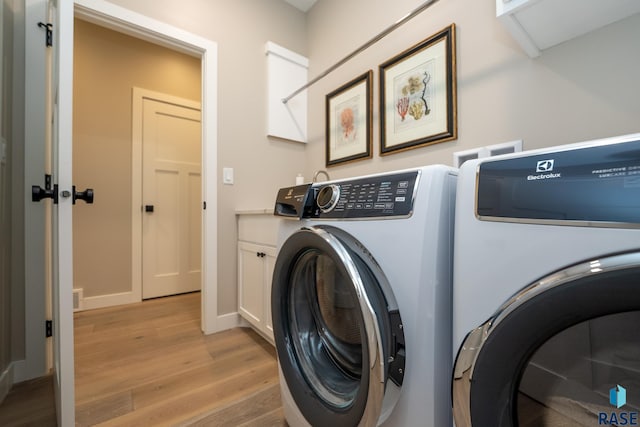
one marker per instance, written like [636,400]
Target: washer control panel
[369,197]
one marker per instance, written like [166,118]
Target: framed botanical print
[349,121]
[418,95]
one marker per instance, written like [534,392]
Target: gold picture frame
[349,121]
[418,104]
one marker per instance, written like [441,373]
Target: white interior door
[172,197]
[61,12]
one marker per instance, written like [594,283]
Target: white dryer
[547,287]
[361,300]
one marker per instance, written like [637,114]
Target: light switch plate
[227,176]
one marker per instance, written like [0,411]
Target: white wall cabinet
[540,24]
[256,260]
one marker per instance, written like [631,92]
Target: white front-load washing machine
[361,300]
[546,321]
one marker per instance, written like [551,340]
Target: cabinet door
[251,286]
[269,263]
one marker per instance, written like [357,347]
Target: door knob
[148,208]
[86,195]
[48,192]
[38,193]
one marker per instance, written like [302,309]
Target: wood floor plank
[149,364]
[104,409]
[246,410]
[137,370]
[29,403]
[169,386]
[199,400]
[275,418]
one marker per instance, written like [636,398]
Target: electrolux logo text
[618,398]
[544,169]
[545,166]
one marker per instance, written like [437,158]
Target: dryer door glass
[586,375]
[563,351]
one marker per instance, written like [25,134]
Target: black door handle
[38,193]
[86,195]
[148,208]
[48,192]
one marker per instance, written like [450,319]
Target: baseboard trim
[102,301]
[20,373]
[6,382]
[229,321]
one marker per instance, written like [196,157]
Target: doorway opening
[135,147]
[142,28]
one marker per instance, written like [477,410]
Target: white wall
[583,89]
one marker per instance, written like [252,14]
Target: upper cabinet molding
[540,24]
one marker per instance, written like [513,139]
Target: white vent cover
[459,157]
[504,148]
[78,300]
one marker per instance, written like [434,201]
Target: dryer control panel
[595,186]
[376,196]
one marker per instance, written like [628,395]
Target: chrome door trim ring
[475,340]
[376,364]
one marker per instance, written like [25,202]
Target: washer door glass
[324,314]
[336,335]
[586,375]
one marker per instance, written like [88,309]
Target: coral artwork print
[413,92]
[418,95]
[346,115]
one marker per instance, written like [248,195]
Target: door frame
[139,95]
[134,24]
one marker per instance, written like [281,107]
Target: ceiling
[303,5]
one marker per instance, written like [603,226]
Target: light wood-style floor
[148,364]
[29,403]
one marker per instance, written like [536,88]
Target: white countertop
[263,211]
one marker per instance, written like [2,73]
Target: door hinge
[49,29]
[48,328]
